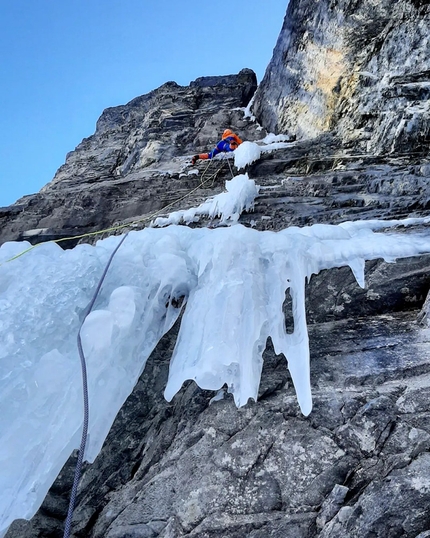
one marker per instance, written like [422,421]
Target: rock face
[349,79]
[362,68]
[131,166]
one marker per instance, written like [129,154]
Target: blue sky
[64,62]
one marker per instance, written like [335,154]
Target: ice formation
[228,206]
[246,153]
[232,281]
[249,152]
[271,138]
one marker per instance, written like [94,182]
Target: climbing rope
[214,175]
[229,165]
[337,158]
[205,171]
[78,469]
[81,452]
[122,226]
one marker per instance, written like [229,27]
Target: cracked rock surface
[358,465]
[198,467]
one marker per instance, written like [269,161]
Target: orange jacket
[236,141]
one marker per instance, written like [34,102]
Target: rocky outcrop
[361,68]
[154,128]
[349,79]
[136,162]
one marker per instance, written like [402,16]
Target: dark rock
[393,502]
[331,505]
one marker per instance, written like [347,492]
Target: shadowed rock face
[349,78]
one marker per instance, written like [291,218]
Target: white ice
[246,153]
[233,283]
[271,138]
[249,152]
[239,196]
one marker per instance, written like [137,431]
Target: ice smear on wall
[249,152]
[239,196]
[246,153]
[233,282]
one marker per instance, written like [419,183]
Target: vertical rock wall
[360,68]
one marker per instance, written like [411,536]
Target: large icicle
[234,280]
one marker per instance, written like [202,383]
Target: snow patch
[272,138]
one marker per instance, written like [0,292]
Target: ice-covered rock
[246,153]
[238,197]
[233,281]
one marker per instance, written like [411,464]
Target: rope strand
[81,452]
[114,228]
[78,468]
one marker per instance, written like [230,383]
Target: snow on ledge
[272,138]
[249,152]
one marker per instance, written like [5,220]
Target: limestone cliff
[361,68]
[351,80]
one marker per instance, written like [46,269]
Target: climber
[229,142]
